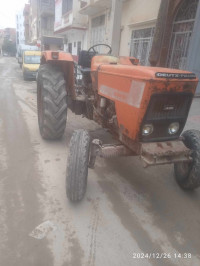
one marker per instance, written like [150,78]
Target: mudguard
[66,61]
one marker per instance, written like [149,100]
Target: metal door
[178,57]
[181,36]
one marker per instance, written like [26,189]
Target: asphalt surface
[129,216]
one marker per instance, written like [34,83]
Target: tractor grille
[165,109]
[169,106]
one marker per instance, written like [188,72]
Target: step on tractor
[144,108]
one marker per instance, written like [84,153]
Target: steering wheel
[101,44]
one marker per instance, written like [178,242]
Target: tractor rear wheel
[77,167]
[51,101]
[187,175]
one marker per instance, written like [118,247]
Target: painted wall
[72,26]
[136,14]
[78,19]
[71,18]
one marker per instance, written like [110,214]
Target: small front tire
[77,168]
[187,175]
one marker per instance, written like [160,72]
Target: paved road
[127,209]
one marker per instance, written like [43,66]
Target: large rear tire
[187,175]
[77,168]
[51,101]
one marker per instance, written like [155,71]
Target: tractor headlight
[173,128]
[147,129]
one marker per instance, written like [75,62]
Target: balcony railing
[69,20]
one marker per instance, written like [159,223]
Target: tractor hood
[146,73]
[131,88]
[131,84]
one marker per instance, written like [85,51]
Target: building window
[70,48]
[141,42]
[182,32]
[67,6]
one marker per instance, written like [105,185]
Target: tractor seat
[85,59]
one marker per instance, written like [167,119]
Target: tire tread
[54,96]
[77,167]
[191,141]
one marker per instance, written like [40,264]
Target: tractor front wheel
[51,101]
[77,168]
[187,175]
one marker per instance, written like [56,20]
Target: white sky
[8,11]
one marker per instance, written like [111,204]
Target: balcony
[93,7]
[71,20]
[65,21]
[46,8]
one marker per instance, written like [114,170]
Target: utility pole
[116,14]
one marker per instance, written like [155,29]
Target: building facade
[26,13]
[137,28]
[39,20]
[100,21]
[46,17]
[20,36]
[33,21]
[126,25]
[71,25]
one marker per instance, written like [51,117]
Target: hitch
[159,153]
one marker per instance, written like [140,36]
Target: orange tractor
[144,108]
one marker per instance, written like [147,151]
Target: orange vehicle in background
[144,108]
